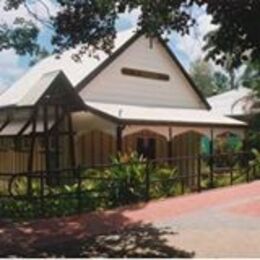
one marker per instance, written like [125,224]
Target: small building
[239,103]
[242,104]
[63,113]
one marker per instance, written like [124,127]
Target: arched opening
[228,142]
[225,144]
[147,143]
[186,149]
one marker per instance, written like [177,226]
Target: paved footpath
[223,222]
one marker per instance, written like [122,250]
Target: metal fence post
[42,193]
[211,176]
[211,165]
[126,195]
[254,172]
[248,174]
[231,175]
[199,174]
[183,183]
[79,189]
[147,180]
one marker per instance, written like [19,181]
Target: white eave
[163,115]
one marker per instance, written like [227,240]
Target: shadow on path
[136,242]
[121,232]
[98,234]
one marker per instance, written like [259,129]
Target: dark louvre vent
[145,74]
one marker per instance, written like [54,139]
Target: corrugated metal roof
[39,126]
[32,96]
[235,102]
[13,128]
[75,71]
[156,114]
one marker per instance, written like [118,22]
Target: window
[146,147]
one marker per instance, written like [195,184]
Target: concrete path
[230,229]
[219,223]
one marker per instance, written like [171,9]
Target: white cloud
[9,60]
[133,16]
[11,70]
[36,6]
[3,86]
[189,47]
[128,20]
[192,45]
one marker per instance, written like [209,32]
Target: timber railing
[69,191]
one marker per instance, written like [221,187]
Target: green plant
[122,183]
[128,179]
[164,182]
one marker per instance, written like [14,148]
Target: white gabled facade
[111,86]
[158,101]
[100,82]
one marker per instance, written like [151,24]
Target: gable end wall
[111,86]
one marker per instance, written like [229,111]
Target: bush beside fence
[128,179]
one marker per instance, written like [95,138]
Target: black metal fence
[68,191]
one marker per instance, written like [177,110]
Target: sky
[187,48]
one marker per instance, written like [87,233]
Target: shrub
[128,175]
[122,183]
[165,182]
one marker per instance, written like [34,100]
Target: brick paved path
[219,223]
